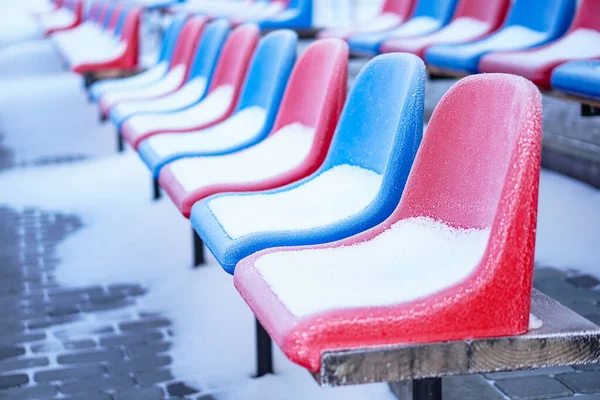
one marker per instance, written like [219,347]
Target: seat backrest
[478,167]
[187,41]
[121,21]
[209,47]
[551,16]
[402,8]
[130,33]
[235,58]
[93,11]
[104,15]
[441,10]
[316,93]
[269,72]
[381,126]
[492,11]
[170,38]
[587,16]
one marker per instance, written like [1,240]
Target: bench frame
[565,338]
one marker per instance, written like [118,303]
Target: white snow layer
[512,37]
[134,82]
[334,195]
[579,44]
[17,23]
[459,30]
[169,83]
[414,26]
[415,258]
[274,156]
[187,95]
[57,19]
[234,131]
[211,108]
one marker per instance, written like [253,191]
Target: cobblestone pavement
[125,354]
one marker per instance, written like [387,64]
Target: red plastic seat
[76,9]
[127,59]
[453,262]
[582,42]
[472,20]
[393,13]
[229,72]
[308,113]
[179,69]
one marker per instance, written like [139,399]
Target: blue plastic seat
[357,187]
[429,16]
[154,73]
[579,78]
[530,23]
[298,15]
[197,82]
[258,105]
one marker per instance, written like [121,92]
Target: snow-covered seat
[115,49]
[195,87]
[296,147]
[453,262]
[218,8]
[152,74]
[530,23]
[472,20]
[579,79]
[580,43]
[392,14]
[218,103]
[261,10]
[254,115]
[179,68]
[357,187]
[67,16]
[429,16]
[93,26]
[297,15]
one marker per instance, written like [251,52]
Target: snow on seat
[85,32]
[254,114]
[149,76]
[429,16]
[458,248]
[262,10]
[580,43]
[530,23]
[297,15]
[123,55]
[219,9]
[218,103]
[197,80]
[357,187]
[472,20]
[179,68]
[392,14]
[68,16]
[296,147]
[578,78]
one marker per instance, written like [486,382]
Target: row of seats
[268,14]
[344,225]
[65,15]
[107,38]
[459,37]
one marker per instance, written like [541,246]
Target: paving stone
[532,372]
[15,380]
[29,392]
[90,356]
[130,338]
[24,363]
[90,396]
[23,337]
[147,349]
[582,382]
[472,387]
[450,397]
[139,364]
[94,384]
[584,397]
[150,393]
[65,374]
[145,324]
[180,389]
[583,281]
[11,351]
[153,377]
[533,388]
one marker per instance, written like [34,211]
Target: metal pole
[264,351]
[198,250]
[155,189]
[120,143]
[588,110]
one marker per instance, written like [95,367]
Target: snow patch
[415,258]
[132,83]
[334,195]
